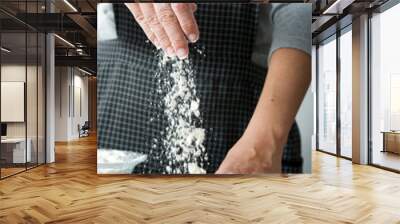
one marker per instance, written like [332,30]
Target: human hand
[248,158]
[167,25]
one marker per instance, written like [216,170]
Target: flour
[118,161]
[182,141]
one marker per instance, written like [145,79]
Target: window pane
[346,94]
[15,150]
[386,89]
[327,97]
[31,99]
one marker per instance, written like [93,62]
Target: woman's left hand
[247,158]
[260,148]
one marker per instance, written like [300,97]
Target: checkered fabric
[228,85]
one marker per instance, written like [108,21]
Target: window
[327,96]
[22,77]
[385,89]
[346,93]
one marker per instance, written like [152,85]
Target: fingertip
[170,52]
[157,44]
[182,53]
[193,38]
[193,7]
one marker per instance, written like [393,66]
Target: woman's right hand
[167,25]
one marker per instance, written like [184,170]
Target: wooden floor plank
[70,191]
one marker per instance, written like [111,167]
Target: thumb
[224,170]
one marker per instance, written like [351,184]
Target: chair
[84,130]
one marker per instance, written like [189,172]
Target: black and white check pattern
[228,85]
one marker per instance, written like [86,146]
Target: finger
[156,27]
[223,169]
[186,19]
[193,7]
[219,170]
[173,29]
[138,15]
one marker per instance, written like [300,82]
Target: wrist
[266,137]
[267,148]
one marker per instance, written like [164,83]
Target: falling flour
[182,140]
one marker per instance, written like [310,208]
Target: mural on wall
[181,98]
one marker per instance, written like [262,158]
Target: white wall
[33,126]
[67,116]
[17,72]
[62,81]
[12,101]
[80,82]
[13,72]
[9,73]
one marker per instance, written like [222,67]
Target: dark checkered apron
[227,82]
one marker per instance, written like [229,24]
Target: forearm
[287,81]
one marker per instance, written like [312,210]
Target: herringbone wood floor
[69,191]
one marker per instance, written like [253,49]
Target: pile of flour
[182,140]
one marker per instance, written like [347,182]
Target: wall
[10,73]
[33,127]
[15,72]
[62,81]
[69,112]
[92,88]
[79,115]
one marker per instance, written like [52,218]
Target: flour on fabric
[182,141]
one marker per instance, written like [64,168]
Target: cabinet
[391,142]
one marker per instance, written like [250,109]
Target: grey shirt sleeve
[282,26]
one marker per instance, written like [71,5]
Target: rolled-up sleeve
[282,26]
